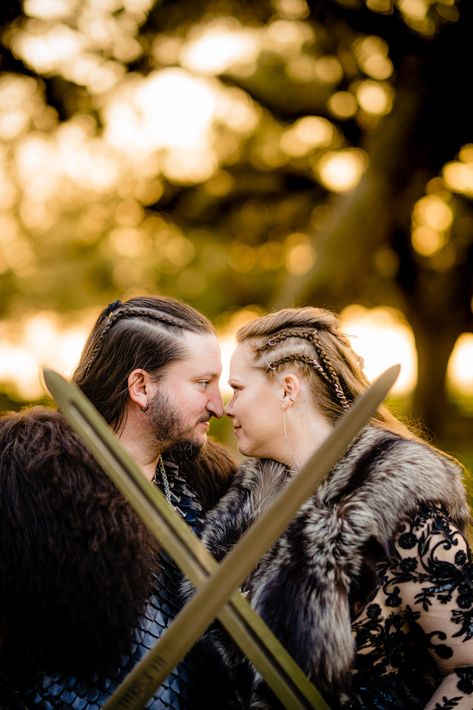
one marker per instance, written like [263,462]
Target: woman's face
[255,408]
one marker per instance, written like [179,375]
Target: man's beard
[184,450]
[168,428]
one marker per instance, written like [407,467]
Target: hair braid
[137,312]
[274,365]
[326,362]
[324,368]
[124,311]
[330,377]
[305,333]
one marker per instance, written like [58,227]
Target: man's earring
[144,407]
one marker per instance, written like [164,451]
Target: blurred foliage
[262,153]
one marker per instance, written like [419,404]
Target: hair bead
[112,307]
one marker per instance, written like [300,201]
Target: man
[87,599]
[151,367]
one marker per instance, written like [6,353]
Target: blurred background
[243,156]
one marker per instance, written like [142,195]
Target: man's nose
[215,404]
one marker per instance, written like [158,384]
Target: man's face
[187,396]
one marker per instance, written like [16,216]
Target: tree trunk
[430,404]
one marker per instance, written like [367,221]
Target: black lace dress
[191,685]
[414,638]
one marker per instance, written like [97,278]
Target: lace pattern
[414,638]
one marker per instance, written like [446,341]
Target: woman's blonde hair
[310,339]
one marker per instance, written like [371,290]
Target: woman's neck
[304,436]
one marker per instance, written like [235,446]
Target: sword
[216,595]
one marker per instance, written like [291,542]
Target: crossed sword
[216,584]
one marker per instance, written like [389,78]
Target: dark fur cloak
[318,574]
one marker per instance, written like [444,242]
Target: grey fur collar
[301,586]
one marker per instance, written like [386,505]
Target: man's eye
[204,383]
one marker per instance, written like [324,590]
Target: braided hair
[310,339]
[144,332]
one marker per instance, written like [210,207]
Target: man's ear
[291,387]
[139,388]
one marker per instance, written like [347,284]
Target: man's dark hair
[143,332]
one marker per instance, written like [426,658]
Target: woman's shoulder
[382,444]
[385,477]
[384,460]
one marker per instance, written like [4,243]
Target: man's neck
[143,452]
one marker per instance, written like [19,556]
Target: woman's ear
[290,389]
[139,388]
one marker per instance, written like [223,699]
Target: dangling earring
[144,407]
[284,425]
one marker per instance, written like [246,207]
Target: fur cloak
[318,575]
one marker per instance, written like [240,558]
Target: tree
[430,123]
[265,153]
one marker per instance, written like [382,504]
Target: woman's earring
[284,424]
[144,407]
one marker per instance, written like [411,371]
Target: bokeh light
[382,338]
[341,171]
[217,46]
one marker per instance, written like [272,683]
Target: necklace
[164,478]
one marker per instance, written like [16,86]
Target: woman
[371,587]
